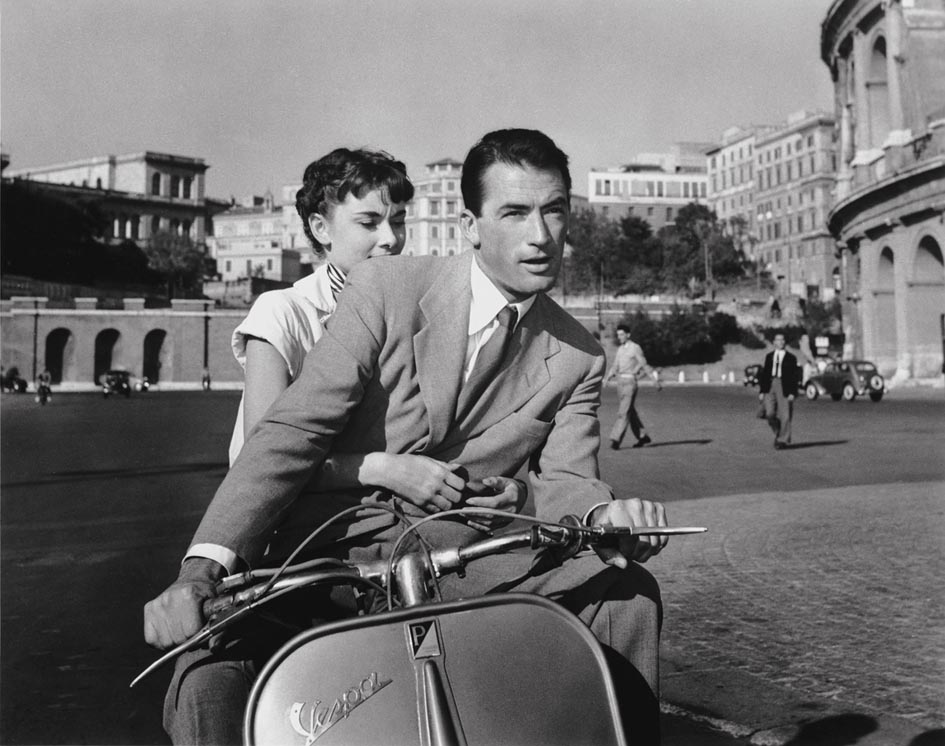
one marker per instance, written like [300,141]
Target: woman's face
[360,228]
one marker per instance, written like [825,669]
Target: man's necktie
[488,361]
[777,365]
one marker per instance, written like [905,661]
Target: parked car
[847,379]
[751,375]
[12,381]
[116,382]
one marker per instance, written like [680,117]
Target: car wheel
[876,395]
[849,393]
[810,390]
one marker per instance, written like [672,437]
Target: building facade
[887,61]
[142,194]
[795,166]
[433,214]
[250,241]
[653,186]
[731,176]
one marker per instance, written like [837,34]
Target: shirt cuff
[587,515]
[215,552]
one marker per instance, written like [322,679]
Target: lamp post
[205,379]
[35,334]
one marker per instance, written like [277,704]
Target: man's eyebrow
[523,206]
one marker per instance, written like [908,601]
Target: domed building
[887,60]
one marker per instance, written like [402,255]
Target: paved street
[811,612]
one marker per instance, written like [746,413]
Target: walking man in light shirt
[628,367]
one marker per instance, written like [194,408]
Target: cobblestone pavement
[822,601]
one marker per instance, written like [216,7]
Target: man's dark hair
[623,328]
[514,147]
[329,180]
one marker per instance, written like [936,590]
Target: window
[649,211]
[451,232]
[156,184]
[187,184]
[175,186]
[434,231]
[685,188]
[450,186]
[702,189]
[434,208]
[669,214]
[229,265]
[659,188]
[249,267]
[450,207]
[800,223]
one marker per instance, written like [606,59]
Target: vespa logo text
[321,718]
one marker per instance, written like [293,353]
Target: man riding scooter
[398,370]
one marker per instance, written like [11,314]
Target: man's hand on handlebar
[176,615]
[632,513]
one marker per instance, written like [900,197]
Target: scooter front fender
[505,669]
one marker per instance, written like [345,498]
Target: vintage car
[116,382]
[12,381]
[846,379]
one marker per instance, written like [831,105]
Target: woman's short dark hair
[329,180]
[514,147]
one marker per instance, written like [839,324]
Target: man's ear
[469,224]
[319,227]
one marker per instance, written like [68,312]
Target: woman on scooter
[352,204]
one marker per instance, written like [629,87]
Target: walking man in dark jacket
[778,382]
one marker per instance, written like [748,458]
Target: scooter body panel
[501,669]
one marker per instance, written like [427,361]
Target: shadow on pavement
[704,441]
[836,730]
[132,473]
[930,738]
[814,444]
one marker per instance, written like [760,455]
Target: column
[894,28]
[860,96]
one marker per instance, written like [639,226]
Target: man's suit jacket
[385,377]
[790,374]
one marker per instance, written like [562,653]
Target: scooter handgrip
[213,606]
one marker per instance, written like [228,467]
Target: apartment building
[653,186]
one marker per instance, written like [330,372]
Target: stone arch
[925,307]
[885,334]
[154,355]
[107,349]
[877,93]
[59,355]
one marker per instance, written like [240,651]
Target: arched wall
[885,335]
[925,305]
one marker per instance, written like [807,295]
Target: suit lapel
[524,373]
[440,346]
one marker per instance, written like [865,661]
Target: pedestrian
[406,365]
[628,367]
[778,382]
[205,379]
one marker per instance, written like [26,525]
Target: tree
[596,257]
[177,259]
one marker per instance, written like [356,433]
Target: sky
[259,89]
